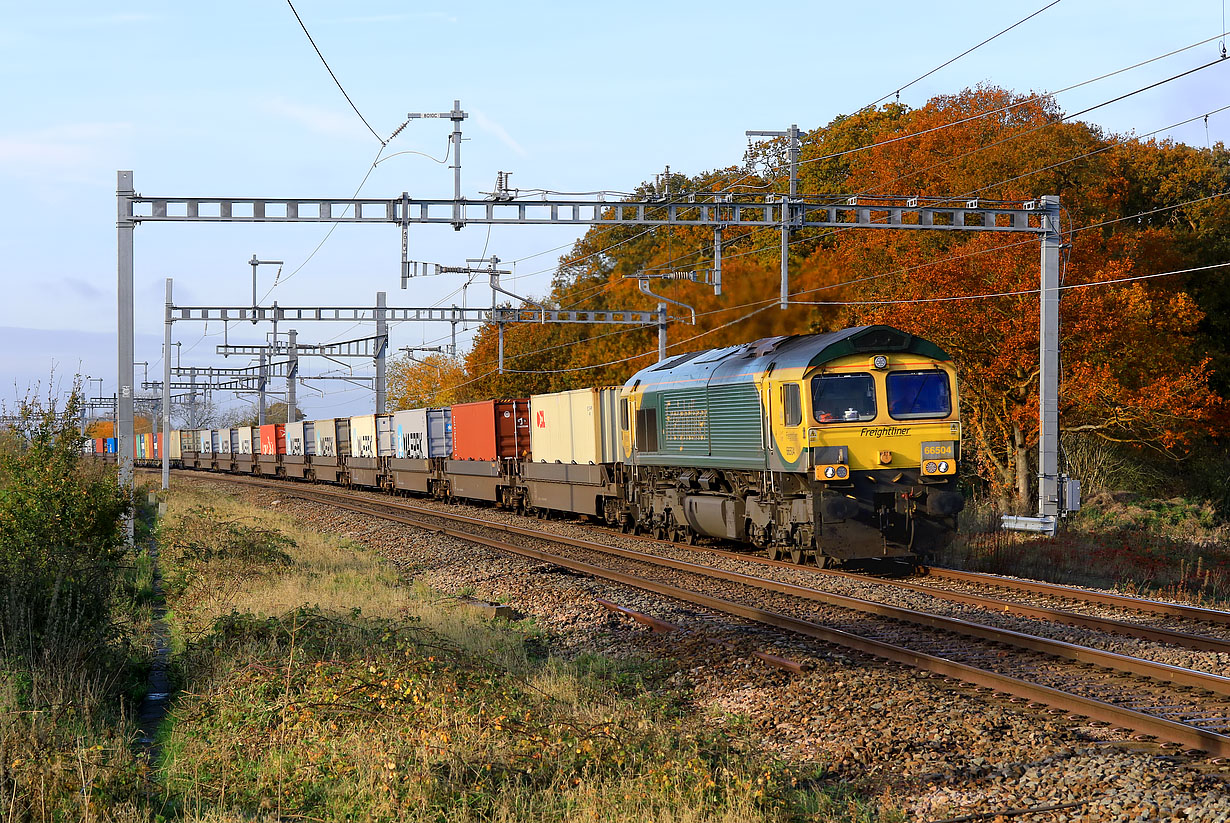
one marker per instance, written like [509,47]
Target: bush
[61,538]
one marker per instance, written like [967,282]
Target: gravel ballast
[926,744]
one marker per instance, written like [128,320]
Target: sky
[230,99]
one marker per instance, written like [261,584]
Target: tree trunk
[1021,453]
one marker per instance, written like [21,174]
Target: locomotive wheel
[798,555]
[659,533]
[690,538]
[775,553]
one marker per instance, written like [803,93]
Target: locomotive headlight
[943,467]
[929,467]
[830,472]
[880,361]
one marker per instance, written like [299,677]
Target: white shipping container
[371,435]
[566,427]
[410,433]
[234,436]
[204,439]
[224,441]
[245,440]
[326,438]
[294,438]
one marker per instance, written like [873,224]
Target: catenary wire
[970,50]
[383,142]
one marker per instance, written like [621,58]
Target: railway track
[1182,706]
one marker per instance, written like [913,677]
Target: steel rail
[1123,601]
[1188,640]
[1058,648]
[1110,625]
[1181,733]
[1189,736]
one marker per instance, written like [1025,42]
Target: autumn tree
[274,413]
[1142,358]
[432,381]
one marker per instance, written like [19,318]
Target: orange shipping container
[491,429]
[273,438]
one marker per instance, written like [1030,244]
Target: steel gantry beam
[779,212]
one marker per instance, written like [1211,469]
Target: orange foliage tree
[431,381]
[1141,359]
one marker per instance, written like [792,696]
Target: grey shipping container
[423,433]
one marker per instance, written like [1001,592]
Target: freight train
[822,448]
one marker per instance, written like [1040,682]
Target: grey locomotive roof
[740,363]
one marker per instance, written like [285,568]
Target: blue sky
[228,98]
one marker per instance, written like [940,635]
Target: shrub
[61,537]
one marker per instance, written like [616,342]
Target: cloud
[490,126]
[61,152]
[431,16]
[331,122]
[85,289]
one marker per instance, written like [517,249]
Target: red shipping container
[491,429]
[158,446]
[100,445]
[273,438]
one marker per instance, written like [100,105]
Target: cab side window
[792,404]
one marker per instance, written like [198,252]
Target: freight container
[294,439]
[234,438]
[205,441]
[158,446]
[177,446]
[245,440]
[215,441]
[326,438]
[224,442]
[343,436]
[578,426]
[110,446]
[295,461]
[491,429]
[423,433]
[371,435]
[273,439]
[100,445]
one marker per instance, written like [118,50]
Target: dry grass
[1171,549]
[300,706]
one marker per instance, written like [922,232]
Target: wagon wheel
[659,533]
[625,525]
[775,553]
[798,554]
[691,537]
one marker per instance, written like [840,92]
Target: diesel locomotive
[821,448]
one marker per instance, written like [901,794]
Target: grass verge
[299,704]
[1172,549]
